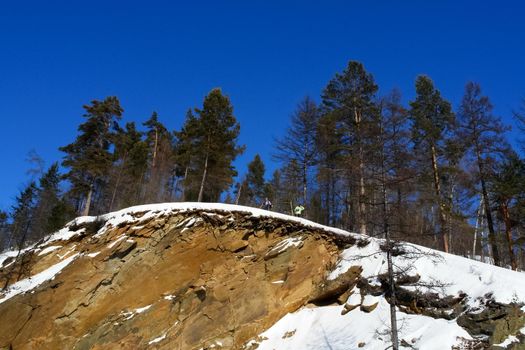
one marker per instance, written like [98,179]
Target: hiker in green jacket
[298,211]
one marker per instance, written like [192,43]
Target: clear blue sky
[266,55]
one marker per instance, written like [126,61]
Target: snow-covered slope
[362,319]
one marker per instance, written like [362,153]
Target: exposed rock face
[184,281]
[201,279]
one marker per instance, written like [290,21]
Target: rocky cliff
[191,276]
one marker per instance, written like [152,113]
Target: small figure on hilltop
[267,205]
[298,211]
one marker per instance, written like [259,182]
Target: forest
[430,174]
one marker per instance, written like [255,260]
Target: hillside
[215,276]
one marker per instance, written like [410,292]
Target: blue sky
[266,55]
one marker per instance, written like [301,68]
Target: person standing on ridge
[298,211]
[267,205]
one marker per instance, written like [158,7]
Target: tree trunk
[304,183]
[155,148]
[239,194]
[85,212]
[386,233]
[504,209]
[203,181]
[118,183]
[361,208]
[441,205]
[488,213]
[479,214]
[185,184]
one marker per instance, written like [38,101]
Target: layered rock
[204,278]
[179,280]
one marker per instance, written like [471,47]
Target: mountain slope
[202,276]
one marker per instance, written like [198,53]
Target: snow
[158,339]
[285,244]
[170,297]
[65,233]
[511,339]
[49,249]
[32,282]
[156,210]
[112,244]
[355,298]
[324,328]
[461,275]
[92,255]
[9,254]
[142,309]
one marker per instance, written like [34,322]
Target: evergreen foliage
[88,158]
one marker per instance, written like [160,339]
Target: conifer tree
[185,150]
[22,216]
[329,143]
[88,158]
[47,203]
[129,167]
[215,146]
[432,119]
[299,142]
[291,182]
[396,161]
[275,191]
[350,97]
[254,188]
[4,230]
[482,133]
[160,161]
[508,192]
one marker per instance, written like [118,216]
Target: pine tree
[432,119]
[47,202]
[291,182]
[275,190]
[482,133]
[215,146]
[129,167]
[350,97]
[330,148]
[160,161]
[508,192]
[299,142]
[22,216]
[4,230]
[89,158]
[186,153]
[254,187]
[397,162]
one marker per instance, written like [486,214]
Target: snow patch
[142,309]
[158,339]
[285,244]
[112,244]
[324,328]
[49,249]
[511,339]
[32,282]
